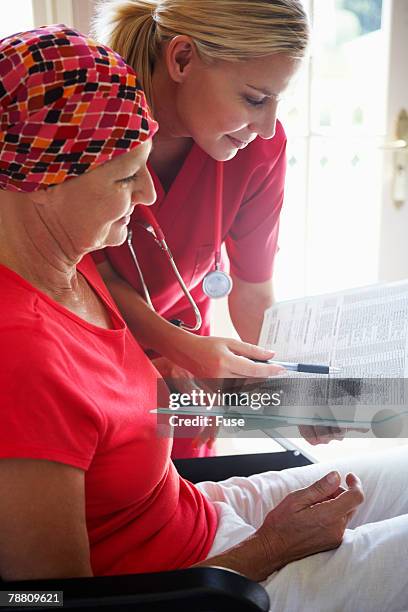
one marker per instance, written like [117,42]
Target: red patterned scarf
[67,105]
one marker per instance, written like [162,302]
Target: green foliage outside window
[368,12]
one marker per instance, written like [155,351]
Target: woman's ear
[180,53]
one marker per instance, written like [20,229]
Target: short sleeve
[43,412]
[252,241]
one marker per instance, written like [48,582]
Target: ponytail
[129,29]
[228,30]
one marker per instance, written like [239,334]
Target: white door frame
[393,256]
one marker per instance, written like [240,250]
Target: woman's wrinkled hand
[309,520]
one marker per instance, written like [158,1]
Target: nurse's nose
[146,192]
[265,124]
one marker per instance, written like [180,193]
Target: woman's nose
[147,195]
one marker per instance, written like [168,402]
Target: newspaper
[364,332]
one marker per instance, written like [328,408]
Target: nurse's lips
[239,144]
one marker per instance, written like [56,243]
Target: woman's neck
[31,249]
[28,247]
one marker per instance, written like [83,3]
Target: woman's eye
[254,101]
[129,179]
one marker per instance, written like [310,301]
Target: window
[16,16]
[340,227]
[335,118]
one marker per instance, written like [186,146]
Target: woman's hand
[309,521]
[306,522]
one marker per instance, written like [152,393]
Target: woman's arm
[42,521]
[247,303]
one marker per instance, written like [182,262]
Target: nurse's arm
[150,329]
[247,303]
[43,530]
[204,357]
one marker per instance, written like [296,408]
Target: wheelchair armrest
[220,468]
[202,589]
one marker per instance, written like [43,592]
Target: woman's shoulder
[25,338]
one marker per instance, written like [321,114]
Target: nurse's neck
[168,157]
[172,144]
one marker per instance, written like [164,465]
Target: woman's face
[226,105]
[94,209]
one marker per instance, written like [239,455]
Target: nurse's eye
[255,101]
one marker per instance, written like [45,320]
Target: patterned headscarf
[67,105]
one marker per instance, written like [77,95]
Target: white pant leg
[384,478]
[367,572]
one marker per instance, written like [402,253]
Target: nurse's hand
[181,379]
[215,357]
[322,434]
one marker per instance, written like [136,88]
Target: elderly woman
[87,485]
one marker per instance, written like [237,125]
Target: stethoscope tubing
[150,224]
[159,238]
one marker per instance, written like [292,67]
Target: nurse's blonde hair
[231,30]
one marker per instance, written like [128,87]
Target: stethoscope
[216,283]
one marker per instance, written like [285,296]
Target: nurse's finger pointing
[241,367]
[245,349]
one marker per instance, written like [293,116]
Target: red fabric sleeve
[46,417]
[252,240]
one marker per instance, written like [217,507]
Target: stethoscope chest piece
[217,284]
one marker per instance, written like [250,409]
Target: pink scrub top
[252,200]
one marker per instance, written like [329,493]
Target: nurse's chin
[224,154]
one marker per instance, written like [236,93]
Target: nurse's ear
[180,56]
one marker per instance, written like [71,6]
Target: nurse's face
[94,209]
[226,105]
